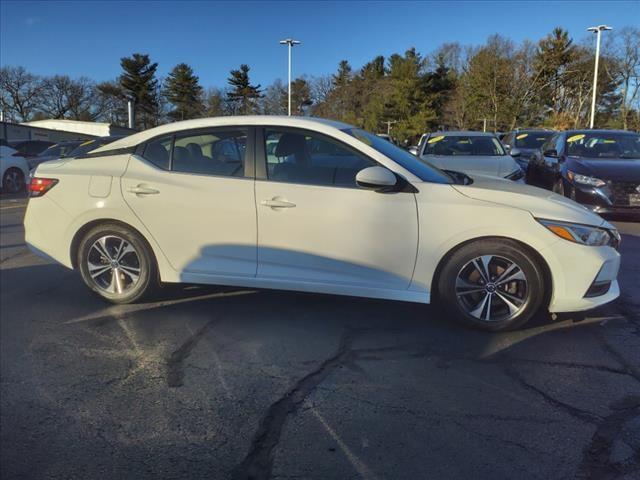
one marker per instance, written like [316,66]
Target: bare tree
[63,97]
[624,47]
[20,92]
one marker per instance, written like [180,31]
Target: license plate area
[634,200]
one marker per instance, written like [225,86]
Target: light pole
[389,123]
[290,42]
[597,30]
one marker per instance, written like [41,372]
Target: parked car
[473,153]
[14,170]
[523,144]
[597,168]
[86,147]
[55,151]
[332,209]
[31,148]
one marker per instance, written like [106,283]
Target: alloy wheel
[492,288]
[113,264]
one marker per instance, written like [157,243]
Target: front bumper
[574,271]
[607,199]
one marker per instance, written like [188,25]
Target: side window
[508,140]
[158,152]
[559,145]
[311,159]
[214,152]
[550,143]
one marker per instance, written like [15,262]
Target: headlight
[585,180]
[583,234]
[516,175]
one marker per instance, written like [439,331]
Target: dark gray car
[522,144]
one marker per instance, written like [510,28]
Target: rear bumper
[44,229]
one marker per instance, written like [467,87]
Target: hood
[497,166]
[610,169]
[540,203]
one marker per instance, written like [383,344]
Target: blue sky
[88,38]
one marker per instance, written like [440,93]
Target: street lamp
[290,42]
[597,31]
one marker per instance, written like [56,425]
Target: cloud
[31,21]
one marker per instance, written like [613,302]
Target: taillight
[39,186]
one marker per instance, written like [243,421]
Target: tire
[13,180]
[117,264]
[462,289]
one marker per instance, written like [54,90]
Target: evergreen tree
[300,95]
[555,54]
[215,105]
[243,96]
[182,89]
[138,81]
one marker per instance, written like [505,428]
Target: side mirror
[515,152]
[507,147]
[413,150]
[376,178]
[552,152]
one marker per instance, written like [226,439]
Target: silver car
[473,153]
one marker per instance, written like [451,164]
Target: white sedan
[14,169]
[318,206]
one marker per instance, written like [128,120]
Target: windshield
[456,145]
[533,140]
[420,168]
[604,145]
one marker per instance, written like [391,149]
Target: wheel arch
[82,231]
[546,270]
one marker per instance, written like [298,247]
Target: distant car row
[18,159]
[598,168]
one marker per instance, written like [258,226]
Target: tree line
[499,84]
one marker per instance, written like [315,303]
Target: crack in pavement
[175,362]
[596,460]
[575,412]
[258,463]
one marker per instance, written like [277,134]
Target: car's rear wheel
[117,264]
[13,180]
[493,284]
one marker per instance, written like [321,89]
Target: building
[59,130]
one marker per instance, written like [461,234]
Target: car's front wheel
[117,264]
[492,284]
[13,180]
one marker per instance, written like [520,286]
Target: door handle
[277,203]
[142,190]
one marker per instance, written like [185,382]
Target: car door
[314,223]
[194,193]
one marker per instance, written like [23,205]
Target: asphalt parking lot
[233,383]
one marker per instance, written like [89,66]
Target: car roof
[601,131]
[462,133]
[534,130]
[315,123]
